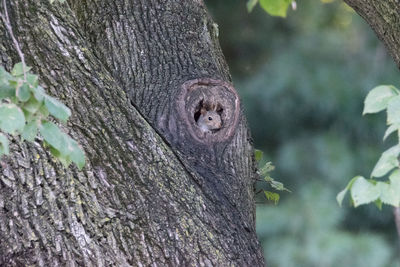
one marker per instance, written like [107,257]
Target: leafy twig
[362,190]
[25,106]
[264,173]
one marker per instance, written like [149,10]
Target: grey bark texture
[154,191]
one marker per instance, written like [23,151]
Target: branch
[383,17]
[7,24]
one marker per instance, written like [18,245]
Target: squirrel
[209,120]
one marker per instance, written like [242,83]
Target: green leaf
[271,196]
[53,151]
[363,192]
[251,4]
[378,98]
[18,69]
[268,179]
[23,93]
[32,105]
[54,137]
[6,91]
[11,118]
[391,129]
[57,109]
[341,195]
[393,110]
[43,111]
[15,83]
[386,162]
[30,131]
[275,7]
[32,80]
[77,155]
[258,154]
[64,159]
[277,185]
[387,194]
[393,194]
[267,168]
[39,93]
[3,145]
[395,180]
[64,148]
[28,116]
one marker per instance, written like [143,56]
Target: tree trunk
[156,190]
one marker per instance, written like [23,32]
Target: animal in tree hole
[209,120]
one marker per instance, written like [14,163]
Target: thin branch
[7,24]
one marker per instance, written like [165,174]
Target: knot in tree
[209,110]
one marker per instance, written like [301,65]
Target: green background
[302,82]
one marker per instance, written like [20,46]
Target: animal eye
[209,118]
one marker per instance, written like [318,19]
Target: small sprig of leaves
[24,110]
[264,172]
[273,7]
[365,191]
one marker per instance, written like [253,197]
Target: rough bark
[384,19]
[154,191]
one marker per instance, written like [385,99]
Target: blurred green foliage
[302,81]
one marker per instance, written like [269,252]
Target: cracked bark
[148,195]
